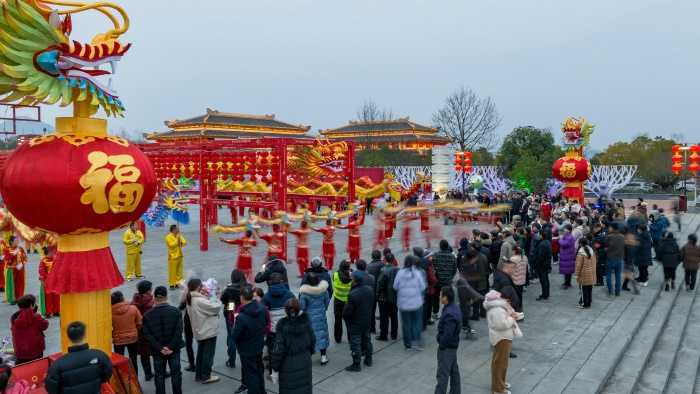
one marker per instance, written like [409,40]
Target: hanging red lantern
[675,148]
[694,159]
[676,168]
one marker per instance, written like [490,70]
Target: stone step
[660,363]
[687,359]
[628,369]
[588,363]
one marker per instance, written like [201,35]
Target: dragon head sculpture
[577,132]
[322,159]
[39,63]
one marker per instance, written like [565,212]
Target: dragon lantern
[78,183]
[573,169]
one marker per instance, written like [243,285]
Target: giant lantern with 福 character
[79,182]
[573,169]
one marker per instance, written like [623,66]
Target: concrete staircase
[653,347]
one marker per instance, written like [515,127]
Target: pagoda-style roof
[398,130]
[217,124]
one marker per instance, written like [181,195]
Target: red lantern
[675,148]
[573,171]
[676,168]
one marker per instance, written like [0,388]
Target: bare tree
[469,121]
[370,112]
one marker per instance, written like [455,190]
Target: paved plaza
[558,353]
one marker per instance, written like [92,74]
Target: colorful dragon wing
[40,64]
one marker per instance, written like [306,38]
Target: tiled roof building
[222,125]
[401,134]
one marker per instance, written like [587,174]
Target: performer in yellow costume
[133,240]
[175,241]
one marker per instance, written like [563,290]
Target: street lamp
[681,158]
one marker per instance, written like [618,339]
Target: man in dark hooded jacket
[357,315]
[542,262]
[249,335]
[449,327]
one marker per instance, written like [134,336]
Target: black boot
[355,367]
[368,360]
[673,284]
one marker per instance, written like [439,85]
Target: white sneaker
[212,379]
[324,359]
[508,385]
[645,284]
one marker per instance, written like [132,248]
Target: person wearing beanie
[318,269]
[144,301]
[314,300]
[357,315]
[162,328]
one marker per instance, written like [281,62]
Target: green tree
[651,155]
[385,157]
[528,153]
[482,157]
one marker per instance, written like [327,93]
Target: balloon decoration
[573,169]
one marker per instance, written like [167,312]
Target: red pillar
[203,205]
[282,189]
[350,171]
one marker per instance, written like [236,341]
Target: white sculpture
[606,180]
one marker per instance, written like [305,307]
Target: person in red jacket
[28,330]
[275,242]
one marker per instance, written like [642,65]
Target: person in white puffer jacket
[503,328]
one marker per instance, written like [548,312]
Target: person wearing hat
[162,328]
[319,270]
[313,300]
[357,314]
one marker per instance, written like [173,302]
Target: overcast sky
[627,66]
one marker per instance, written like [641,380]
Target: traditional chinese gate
[259,169]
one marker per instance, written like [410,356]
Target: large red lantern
[80,186]
[573,171]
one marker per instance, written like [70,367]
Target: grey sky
[628,66]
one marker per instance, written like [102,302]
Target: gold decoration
[123,196]
[118,141]
[40,140]
[77,140]
[568,170]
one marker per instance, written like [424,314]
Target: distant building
[401,134]
[222,125]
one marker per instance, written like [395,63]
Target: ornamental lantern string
[463,166]
[79,182]
[680,158]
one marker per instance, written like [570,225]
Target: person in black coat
[357,315]
[162,328]
[291,354]
[599,246]
[249,336]
[449,327]
[231,300]
[542,262]
[643,256]
[670,258]
[503,284]
[274,265]
[80,371]
[386,297]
